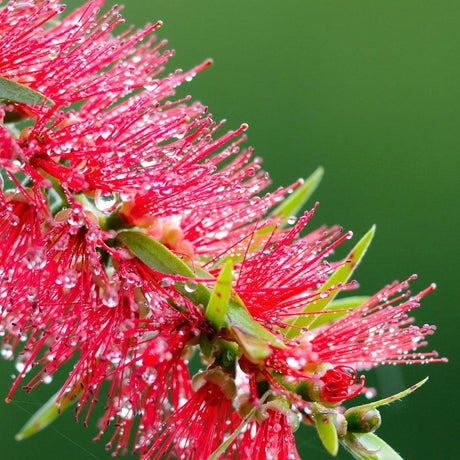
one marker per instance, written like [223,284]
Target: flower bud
[362,419]
[330,386]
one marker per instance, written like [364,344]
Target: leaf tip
[19,437]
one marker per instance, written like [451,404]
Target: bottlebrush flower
[135,238]
[64,61]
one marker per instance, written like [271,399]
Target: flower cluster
[135,237]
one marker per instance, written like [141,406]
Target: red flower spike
[377,332]
[70,291]
[157,372]
[276,281]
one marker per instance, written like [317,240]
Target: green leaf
[159,258]
[217,306]
[251,335]
[16,92]
[340,276]
[369,446]
[205,346]
[327,432]
[46,415]
[390,399]
[241,318]
[338,308]
[295,202]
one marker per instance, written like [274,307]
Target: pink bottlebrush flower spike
[136,236]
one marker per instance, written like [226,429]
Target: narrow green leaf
[327,432]
[338,308]
[390,399]
[45,415]
[241,318]
[217,307]
[16,92]
[295,202]
[340,276]
[205,346]
[369,446]
[252,336]
[159,258]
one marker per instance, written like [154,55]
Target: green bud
[362,420]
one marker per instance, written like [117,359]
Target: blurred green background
[370,91]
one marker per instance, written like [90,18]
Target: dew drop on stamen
[76,218]
[149,376]
[69,279]
[106,202]
[35,258]
[21,362]
[32,294]
[132,278]
[7,351]
[110,298]
[276,427]
[166,282]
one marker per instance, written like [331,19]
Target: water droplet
[106,202]
[69,279]
[190,286]
[21,362]
[150,376]
[110,298]
[156,352]
[221,234]
[370,393]
[35,257]
[7,351]
[132,278]
[151,87]
[276,427]
[166,282]
[76,218]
